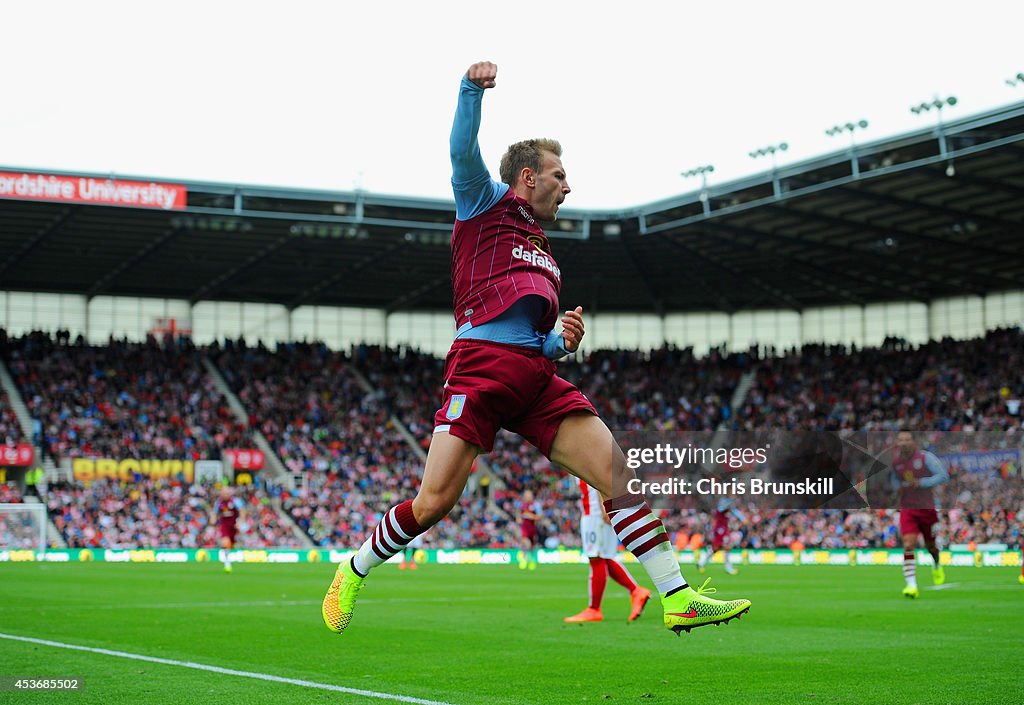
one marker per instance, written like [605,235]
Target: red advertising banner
[16,456]
[245,458]
[86,189]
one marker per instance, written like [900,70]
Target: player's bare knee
[428,509]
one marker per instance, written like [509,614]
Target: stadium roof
[921,216]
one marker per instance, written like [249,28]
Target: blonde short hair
[523,154]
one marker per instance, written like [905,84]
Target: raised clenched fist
[483,74]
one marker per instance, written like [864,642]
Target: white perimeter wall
[126,317]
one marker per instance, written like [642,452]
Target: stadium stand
[946,385]
[967,387]
[340,439]
[407,379]
[9,493]
[977,507]
[328,430]
[147,513]
[660,390]
[10,429]
[140,400]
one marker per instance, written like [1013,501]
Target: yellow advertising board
[88,469]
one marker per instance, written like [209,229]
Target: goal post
[23,527]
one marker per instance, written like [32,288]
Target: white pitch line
[944,586]
[226,671]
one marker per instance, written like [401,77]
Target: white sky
[335,95]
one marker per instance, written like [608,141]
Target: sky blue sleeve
[937,469]
[475,190]
[554,346]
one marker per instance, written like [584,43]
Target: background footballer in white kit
[600,546]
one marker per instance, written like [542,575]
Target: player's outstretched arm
[475,191]
[465,149]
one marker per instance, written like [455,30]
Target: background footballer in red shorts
[529,515]
[228,510]
[720,534]
[917,472]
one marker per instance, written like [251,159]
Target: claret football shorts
[489,385]
[918,521]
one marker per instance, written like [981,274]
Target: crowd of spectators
[408,382]
[337,435]
[10,429]
[9,493]
[668,389]
[947,385]
[978,508]
[673,390]
[331,432]
[149,400]
[146,513]
[956,395]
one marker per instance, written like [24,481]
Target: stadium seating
[946,385]
[328,430]
[9,493]
[10,430]
[155,399]
[150,400]
[150,514]
[668,389]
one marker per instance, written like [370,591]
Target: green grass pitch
[494,634]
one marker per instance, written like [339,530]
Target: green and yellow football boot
[690,608]
[340,600]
